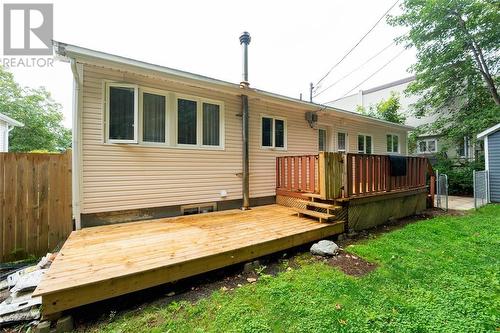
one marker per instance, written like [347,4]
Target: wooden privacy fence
[35,203]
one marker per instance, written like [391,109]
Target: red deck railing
[336,175]
[368,174]
[297,173]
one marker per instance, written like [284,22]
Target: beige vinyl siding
[133,176]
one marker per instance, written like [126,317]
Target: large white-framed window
[341,141]
[365,144]
[463,148]
[273,132]
[153,108]
[392,141]
[153,117]
[199,122]
[426,146]
[122,112]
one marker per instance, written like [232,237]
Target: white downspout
[6,138]
[75,156]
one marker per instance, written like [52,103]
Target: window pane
[395,144]
[186,122]
[211,124]
[368,144]
[267,132]
[431,146]
[361,143]
[153,118]
[389,143]
[279,132]
[341,141]
[321,139]
[121,113]
[422,146]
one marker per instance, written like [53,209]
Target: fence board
[35,203]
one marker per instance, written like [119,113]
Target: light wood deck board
[103,262]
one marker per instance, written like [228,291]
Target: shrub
[460,173]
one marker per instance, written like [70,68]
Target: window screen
[361,143]
[321,139]
[153,108]
[267,132]
[368,144]
[211,124]
[279,133]
[186,122]
[121,113]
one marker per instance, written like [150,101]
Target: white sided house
[151,141]
[7,124]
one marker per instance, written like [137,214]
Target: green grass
[438,275]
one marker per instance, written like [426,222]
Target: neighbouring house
[6,125]
[491,137]
[151,141]
[427,143]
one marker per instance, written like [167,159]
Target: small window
[426,146]
[122,113]
[392,143]
[364,144]
[322,139]
[463,148]
[154,116]
[186,122]
[211,124]
[341,141]
[198,208]
[273,133]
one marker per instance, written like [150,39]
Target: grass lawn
[438,275]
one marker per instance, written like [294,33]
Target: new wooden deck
[103,262]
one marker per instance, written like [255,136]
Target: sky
[293,42]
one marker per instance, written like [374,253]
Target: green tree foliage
[457,69]
[41,116]
[386,109]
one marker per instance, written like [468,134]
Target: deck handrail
[337,175]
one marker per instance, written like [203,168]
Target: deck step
[312,195]
[323,217]
[320,205]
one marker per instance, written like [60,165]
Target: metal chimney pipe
[245,40]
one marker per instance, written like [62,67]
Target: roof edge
[488,131]
[10,121]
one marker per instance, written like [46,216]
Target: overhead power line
[373,74]
[356,45]
[355,69]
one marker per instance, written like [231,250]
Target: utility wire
[356,45]
[356,69]
[373,74]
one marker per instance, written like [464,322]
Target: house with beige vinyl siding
[151,141]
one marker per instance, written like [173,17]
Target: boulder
[324,248]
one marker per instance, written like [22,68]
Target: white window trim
[364,145]
[273,136]
[199,122]
[399,143]
[466,148]
[345,139]
[327,145]
[170,119]
[108,85]
[427,145]
[141,113]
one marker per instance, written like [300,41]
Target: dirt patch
[351,264]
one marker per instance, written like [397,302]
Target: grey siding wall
[494,165]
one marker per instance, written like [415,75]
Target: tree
[457,69]
[41,116]
[386,109]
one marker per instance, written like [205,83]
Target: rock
[170,294]
[324,248]
[43,327]
[64,324]
[251,280]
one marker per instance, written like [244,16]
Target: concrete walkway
[460,203]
